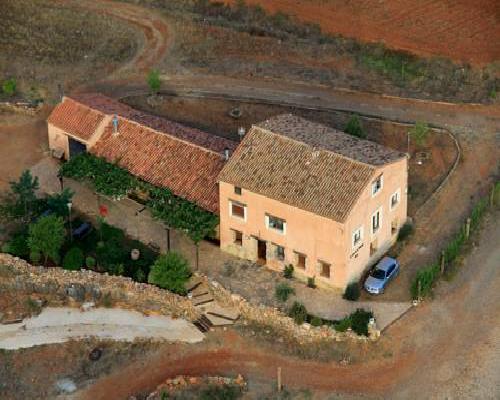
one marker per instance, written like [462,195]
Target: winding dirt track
[440,336]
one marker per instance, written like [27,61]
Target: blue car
[379,277]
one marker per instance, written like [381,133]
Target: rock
[66,385]
[76,291]
[87,306]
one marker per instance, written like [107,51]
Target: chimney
[241,132]
[226,154]
[115,125]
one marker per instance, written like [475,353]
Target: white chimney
[226,154]
[241,132]
[115,125]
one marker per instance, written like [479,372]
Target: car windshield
[378,273]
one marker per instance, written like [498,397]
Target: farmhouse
[296,192]
[292,192]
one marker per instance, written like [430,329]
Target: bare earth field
[462,30]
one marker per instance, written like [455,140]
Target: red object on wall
[103,210]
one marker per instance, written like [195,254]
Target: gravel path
[58,325]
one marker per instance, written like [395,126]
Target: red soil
[463,30]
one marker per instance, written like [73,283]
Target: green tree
[20,203]
[170,271]
[9,87]
[419,133]
[58,203]
[354,127]
[154,81]
[46,237]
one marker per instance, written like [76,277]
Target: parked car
[381,274]
[82,230]
[46,213]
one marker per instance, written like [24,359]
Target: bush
[355,128]
[311,282]
[352,292]
[419,133]
[426,276]
[154,81]
[46,237]
[359,321]
[170,271]
[9,87]
[316,321]
[215,392]
[343,325]
[298,312]
[111,252]
[73,259]
[18,245]
[90,262]
[288,271]
[283,291]
[405,231]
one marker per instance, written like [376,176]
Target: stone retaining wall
[279,322]
[87,285]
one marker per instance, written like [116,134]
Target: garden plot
[58,325]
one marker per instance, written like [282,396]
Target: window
[395,199]
[280,252]
[237,190]
[238,210]
[301,261]
[357,237]
[238,238]
[377,185]
[276,223]
[325,269]
[376,220]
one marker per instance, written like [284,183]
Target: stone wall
[279,322]
[80,286]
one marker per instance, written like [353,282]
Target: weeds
[284,291]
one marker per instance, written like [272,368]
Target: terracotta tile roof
[75,119]
[306,176]
[321,136]
[110,107]
[188,170]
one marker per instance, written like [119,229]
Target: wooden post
[467,229]
[443,259]
[279,379]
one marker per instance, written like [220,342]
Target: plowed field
[463,30]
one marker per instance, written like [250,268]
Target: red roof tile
[188,170]
[77,120]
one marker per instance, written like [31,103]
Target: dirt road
[447,347]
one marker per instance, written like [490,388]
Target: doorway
[261,251]
[76,147]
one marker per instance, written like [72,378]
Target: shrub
[316,321]
[170,271]
[298,312]
[18,245]
[355,128]
[154,81]
[216,392]
[311,282]
[352,292]
[90,262]
[9,87]
[343,325]
[426,276]
[46,237]
[115,269]
[405,231]
[288,271]
[140,276]
[73,259]
[111,252]
[283,291]
[419,133]
[359,321]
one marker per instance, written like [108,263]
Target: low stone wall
[85,285]
[279,322]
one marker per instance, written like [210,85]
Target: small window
[301,261]
[280,252]
[377,185]
[238,210]
[325,269]
[238,238]
[357,237]
[276,223]
[237,190]
[395,199]
[376,221]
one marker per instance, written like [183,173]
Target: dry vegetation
[44,43]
